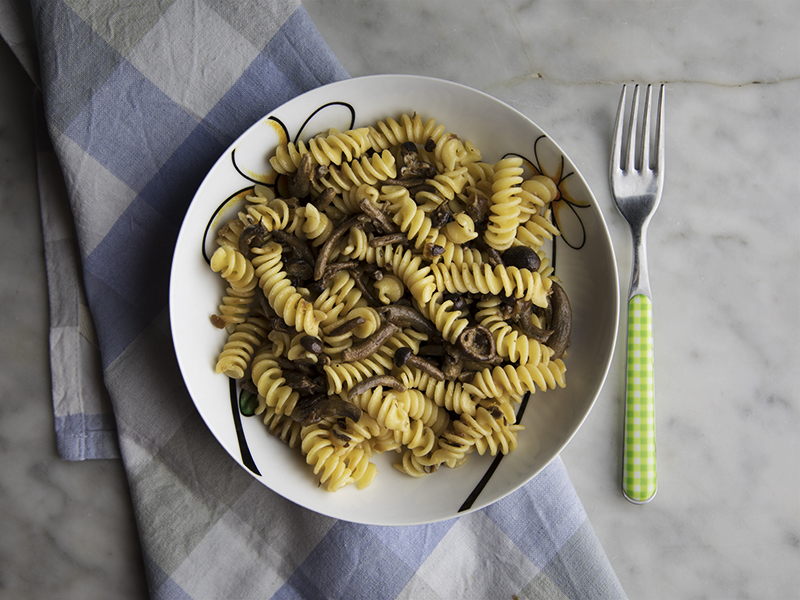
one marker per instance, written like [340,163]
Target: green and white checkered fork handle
[637,179]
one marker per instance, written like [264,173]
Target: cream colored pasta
[377,314]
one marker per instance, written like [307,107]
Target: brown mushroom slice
[522,257]
[477,206]
[379,218]
[370,345]
[372,382]
[314,408]
[327,248]
[406,356]
[366,292]
[295,243]
[252,235]
[478,343]
[561,322]
[407,316]
[303,382]
[391,238]
[347,326]
[324,199]
[300,181]
[452,363]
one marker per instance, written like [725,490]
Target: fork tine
[616,144]
[630,155]
[644,149]
[659,160]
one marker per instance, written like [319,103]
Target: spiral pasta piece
[366,170]
[282,427]
[328,149]
[325,457]
[390,132]
[384,408]
[339,298]
[511,344]
[445,318]
[485,279]
[281,294]
[344,375]
[274,214]
[413,221]
[407,266]
[536,230]
[337,146]
[417,437]
[268,378]
[234,268]
[488,430]
[421,406]
[518,380]
[317,226]
[238,351]
[450,395]
[504,208]
[456,254]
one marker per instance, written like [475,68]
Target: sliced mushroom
[299,246]
[252,236]
[300,181]
[379,218]
[327,248]
[452,364]
[478,343]
[392,238]
[324,199]
[522,257]
[561,321]
[407,316]
[304,382]
[477,207]
[370,345]
[314,408]
[347,326]
[365,290]
[406,356]
[520,312]
[373,382]
[313,344]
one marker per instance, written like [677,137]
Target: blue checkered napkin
[139,100]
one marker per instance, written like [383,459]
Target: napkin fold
[137,102]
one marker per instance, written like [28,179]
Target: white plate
[584,261]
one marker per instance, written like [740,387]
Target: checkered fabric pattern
[639,464]
[138,100]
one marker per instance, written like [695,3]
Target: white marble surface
[725,271]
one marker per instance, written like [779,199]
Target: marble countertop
[724,255]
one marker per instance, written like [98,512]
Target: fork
[637,179]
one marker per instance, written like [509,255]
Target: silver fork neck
[640,277]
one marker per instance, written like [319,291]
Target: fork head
[637,171]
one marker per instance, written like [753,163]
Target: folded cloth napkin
[139,99]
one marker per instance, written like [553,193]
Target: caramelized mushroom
[379,218]
[368,346]
[522,257]
[373,382]
[561,321]
[478,343]
[252,235]
[314,408]
[407,316]
[406,356]
[300,181]
[330,243]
